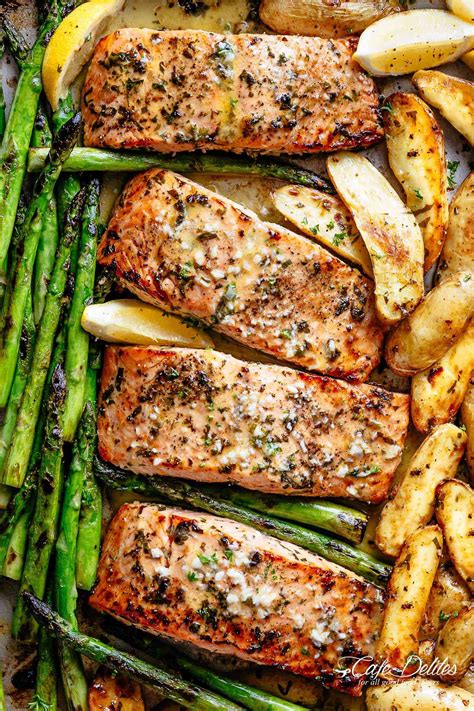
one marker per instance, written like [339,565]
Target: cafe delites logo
[377,673]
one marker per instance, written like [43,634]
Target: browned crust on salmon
[182,247]
[208,416]
[227,588]
[182,90]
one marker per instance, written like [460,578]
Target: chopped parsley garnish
[453,165]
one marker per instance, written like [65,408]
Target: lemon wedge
[133,321]
[462,8]
[72,44]
[417,39]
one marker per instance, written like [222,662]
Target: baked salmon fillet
[205,415]
[184,248]
[225,587]
[180,90]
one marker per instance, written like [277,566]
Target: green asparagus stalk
[170,685]
[22,443]
[318,513]
[46,692]
[77,338]
[90,522]
[247,696]
[16,42]
[15,555]
[3,106]
[18,506]
[97,159]
[184,493]
[43,528]
[16,139]
[14,305]
[68,185]
[48,240]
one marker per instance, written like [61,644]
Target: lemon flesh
[132,321]
[72,44]
[418,39]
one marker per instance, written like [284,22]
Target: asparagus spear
[185,493]
[48,240]
[21,446]
[16,140]
[16,42]
[43,528]
[77,338]
[248,696]
[17,507]
[15,555]
[170,685]
[90,522]
[46,693]
[328,515]
[96,159]
[2,97]
[14,306]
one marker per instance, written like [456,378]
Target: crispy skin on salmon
[181,90]
[184,248]
[227,588]
[208,416]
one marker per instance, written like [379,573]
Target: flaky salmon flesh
[204,415]
[180,90]
[225,587]
[182,247]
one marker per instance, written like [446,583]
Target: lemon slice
[462,8]
[417,39]
[132,321]
[72,44]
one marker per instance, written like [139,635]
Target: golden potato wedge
[109,691]
[448,596]
[455,515]
[407,594]
[455,645]
[415,145]
[458,250]
[438,392]
[389,230]
[323,19]
[326,219]
[412,502]
[419,694]
[422,338]
[453,97]
[467,416]
[467,681]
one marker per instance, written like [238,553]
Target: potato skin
[422,338]
[416,155]
[467,416]
[412,502]
[438,392]
[419,694]
[448,596]
[455,643]
[458,250]
[407,594]
[455,515]
[389,230]
[323,19]
[453,97]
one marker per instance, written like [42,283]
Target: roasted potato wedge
[407,594]
[453,97]
[467,416]
[422,338]
[448,596]
[438,392]
[415,145]
[326,219]
[467,681]
[109,691]
[458,250]
[455,644]
[389,230]
[323,19]
[419,694]
[455,515]
[412,502]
